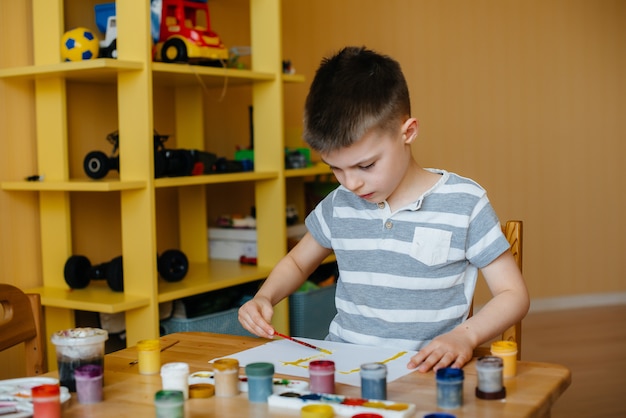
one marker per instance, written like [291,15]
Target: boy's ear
[410,129]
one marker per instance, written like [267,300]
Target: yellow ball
[79,44]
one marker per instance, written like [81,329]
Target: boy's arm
[508,306]
[286,277]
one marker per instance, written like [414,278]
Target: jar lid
[201,390]
[225,364]
[489,362]
[148,345]
[44,391]
[504,347]
[169,396]
[374,370]
[260,369]
[79,336]
[317,411]
[88,371]
[450,374]
[175,367]
[322,365]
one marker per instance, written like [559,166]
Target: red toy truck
[183,27]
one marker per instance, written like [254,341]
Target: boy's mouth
[366,196]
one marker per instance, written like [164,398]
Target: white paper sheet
[292,359]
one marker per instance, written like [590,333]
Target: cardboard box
[232,243]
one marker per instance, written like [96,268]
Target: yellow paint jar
[149,356]
[317,411]
[507,351]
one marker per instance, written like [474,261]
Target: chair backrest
[21,321]
[513,232]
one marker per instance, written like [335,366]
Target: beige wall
[525,96]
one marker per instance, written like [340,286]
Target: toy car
[167,162]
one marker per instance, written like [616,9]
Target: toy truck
[181,32]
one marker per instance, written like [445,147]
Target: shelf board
[98,70]
[213,275]
[214,178]
[97,297]
[74,185]
[318,168]
[180,75]
[293,78]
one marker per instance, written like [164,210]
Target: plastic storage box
[224,322]
[310,313]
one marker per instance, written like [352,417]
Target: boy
[409,241]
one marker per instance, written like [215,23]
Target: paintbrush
[323,350]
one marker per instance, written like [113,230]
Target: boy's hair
[354,91]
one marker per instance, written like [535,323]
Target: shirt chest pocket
[431,246]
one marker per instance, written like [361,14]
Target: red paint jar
[322,376]
[46,401]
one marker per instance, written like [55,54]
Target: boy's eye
[365,167]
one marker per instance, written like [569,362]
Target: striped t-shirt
[408,276]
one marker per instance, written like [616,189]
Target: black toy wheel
[173,265]
[174,50]
[115,274]
[76,271]
[96,164]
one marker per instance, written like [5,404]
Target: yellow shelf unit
[134,74]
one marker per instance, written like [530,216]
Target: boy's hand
[255,316]
[447,350]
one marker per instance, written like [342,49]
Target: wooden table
[128,394]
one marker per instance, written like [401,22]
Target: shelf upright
[192,201]
[135,120]
[52,152]
[267,99]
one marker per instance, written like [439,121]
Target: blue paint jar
[260,381]
[449,388]
[374,381]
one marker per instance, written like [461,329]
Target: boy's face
[374,166]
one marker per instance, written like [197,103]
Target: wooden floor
[592,343]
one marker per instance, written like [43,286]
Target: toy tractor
[167,162]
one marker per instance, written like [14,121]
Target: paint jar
[449,388]
[169,404]
[89,383]
[373,381]
[76,347]
[367,415]
[46,401]
[174,377]
[439,415]
[201,390]
[317,411]
[226,377]
[489,369]
[322,376]
[149,356]
[507,350]
[260,381]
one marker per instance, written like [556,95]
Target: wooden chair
[513,232]
[21,321]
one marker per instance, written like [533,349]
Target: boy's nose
[352,182]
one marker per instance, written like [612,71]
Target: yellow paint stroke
[299,362]
[392,358]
